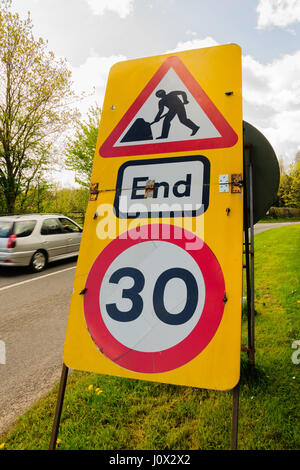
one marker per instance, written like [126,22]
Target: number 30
[133,294]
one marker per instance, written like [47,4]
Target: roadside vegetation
[102,412]
[36,109]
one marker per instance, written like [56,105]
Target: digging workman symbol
[175,102]
[175,105]
[172,113]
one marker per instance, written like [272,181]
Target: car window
[5,228]
[69,226]
[24,228]
[51,227]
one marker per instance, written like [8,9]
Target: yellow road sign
[158,285]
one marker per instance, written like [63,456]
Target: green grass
[131,414]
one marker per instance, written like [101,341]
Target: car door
[54,240]
[73,233]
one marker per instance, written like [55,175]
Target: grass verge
[112,413]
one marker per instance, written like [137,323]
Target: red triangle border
[228,136]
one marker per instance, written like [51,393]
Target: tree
[80,150]
[294,192]
[68,201]
[284,189]
[289,188]
[35,106]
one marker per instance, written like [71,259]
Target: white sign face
[186,120]
[163,187]
[128,296]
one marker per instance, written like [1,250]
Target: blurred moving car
[36,239]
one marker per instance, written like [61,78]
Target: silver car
[36,239]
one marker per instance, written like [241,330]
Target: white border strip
[35,279]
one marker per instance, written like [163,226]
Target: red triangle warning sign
[171,114]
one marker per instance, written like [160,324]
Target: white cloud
[279,13]
[272,101]
[122,7]
[91,78]
[195,44]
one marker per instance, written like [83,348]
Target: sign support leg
[251,346]
[59,405]
[235,417]
[249,248]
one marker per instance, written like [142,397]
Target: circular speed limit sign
[152,305]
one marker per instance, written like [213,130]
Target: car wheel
[38,261]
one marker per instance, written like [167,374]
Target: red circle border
[198,338]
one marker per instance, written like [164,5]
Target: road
[33,317]
[258,228]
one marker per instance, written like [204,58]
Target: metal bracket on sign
[149,188]
[236,183]
[94,191]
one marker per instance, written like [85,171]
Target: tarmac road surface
[33,316]
[258,228]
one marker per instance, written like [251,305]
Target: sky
[94,34]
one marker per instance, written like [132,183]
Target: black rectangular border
[152,161]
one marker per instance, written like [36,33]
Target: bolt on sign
[158,284]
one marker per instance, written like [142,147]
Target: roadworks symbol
[172,113]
